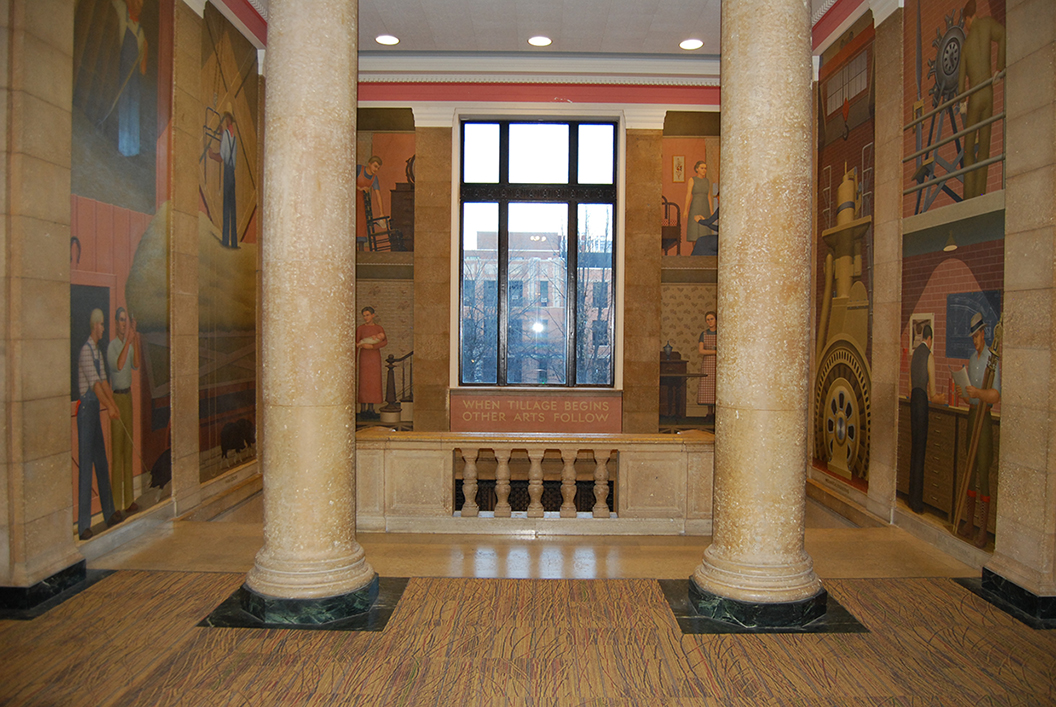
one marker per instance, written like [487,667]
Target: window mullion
[572,292]
[504,251]
[503,288]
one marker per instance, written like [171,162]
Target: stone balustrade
[411,482]
[568,451]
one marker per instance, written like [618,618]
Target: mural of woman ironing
[708,348]
[370,338]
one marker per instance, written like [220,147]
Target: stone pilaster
[310,552]
[756,571]
[432,278]
[36,538]
[641,296]
[183,257]
[1025,550]
[887,267]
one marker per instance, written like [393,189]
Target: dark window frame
[571,193]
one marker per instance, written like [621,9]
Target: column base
[1037,607]
[757,614]
[27,598]
[308,612]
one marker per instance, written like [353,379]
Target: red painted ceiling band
[540,93]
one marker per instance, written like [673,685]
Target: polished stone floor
[230,542]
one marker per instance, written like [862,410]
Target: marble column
[756,572]
[311,569]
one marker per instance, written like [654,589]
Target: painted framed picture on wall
[679,168]
[917,323]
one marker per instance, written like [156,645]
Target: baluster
[601,483]
[535,483]
[470,509]
[568,483]
[502,483]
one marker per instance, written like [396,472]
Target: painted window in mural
[955,65]
[228,230]
[119,259]
[538,256]
[952,265]
[843,379]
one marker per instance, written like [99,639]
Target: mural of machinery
[944,70]
[842,380]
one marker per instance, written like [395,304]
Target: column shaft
[763,306]
[310,550]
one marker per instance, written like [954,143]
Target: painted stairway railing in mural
[927,156]
[396,397]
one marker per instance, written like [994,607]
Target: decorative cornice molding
[820,12]
[406,67]
[432,115]
[644,117]
[445,114]
[247,18]
[832,26]
[882,9]
[261,6]
[197,5]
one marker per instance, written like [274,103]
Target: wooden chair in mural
[671,228]
[380,233]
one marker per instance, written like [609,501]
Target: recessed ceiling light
[539,41]
[386,39]
[691,44]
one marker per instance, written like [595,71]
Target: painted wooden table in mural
[944,459]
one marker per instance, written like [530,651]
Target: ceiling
[649,27]
[596,41]
[575,26]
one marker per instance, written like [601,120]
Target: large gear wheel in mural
[944,67]
[842,409]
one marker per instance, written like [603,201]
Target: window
[847,83]
[538,209]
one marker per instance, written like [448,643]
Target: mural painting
[118,259]
[690,195]
[953,267]
[955,61]
[385,157]
[384,182]
[690,239]
[846,134]
[228,230]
